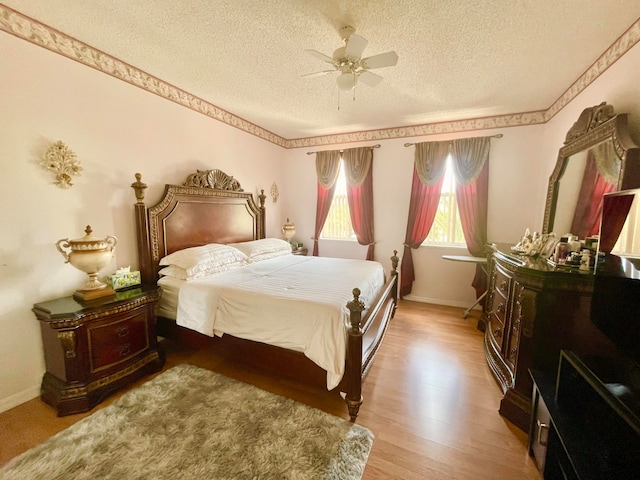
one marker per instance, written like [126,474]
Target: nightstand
[300,251]
[94,348]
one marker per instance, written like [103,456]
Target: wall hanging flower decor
[274,192]
[62,161]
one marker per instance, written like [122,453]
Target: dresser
[532,312]
[94,348]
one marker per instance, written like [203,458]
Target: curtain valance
[327,167]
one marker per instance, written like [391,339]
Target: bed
[211,211]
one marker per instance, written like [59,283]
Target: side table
[482,261]
[94,348]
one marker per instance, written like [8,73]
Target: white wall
[117,129]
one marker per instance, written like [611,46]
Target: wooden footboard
[365,336]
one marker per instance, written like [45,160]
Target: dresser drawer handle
[540,428]
[122,331]
[503,286]
[124,350]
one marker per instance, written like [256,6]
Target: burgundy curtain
[429,164]
[614,213]
[471,167]
[586,220]
[327,169]
[359,173]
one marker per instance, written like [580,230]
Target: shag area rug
[191,423]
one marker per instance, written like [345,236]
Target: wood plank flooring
[429,399]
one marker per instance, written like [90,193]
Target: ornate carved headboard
[210,207]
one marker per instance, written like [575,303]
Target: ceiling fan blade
[388,59]
[355,46]
[318,74]
[320,56]
[369,78]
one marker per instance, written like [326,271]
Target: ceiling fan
[348,62]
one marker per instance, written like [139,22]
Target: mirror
[598,157]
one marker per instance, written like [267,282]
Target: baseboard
[438,301]
[19,398]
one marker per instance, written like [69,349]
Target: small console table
[482,261]
[93,348]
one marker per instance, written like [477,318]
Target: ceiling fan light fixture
[339,54]
[347,61]
[346,81]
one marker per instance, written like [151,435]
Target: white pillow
[209,257]
[177,272]
[268,255]
[257,250]
[173,271]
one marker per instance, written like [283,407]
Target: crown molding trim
[611,55]
[37,33]
[44,36]
[456,126]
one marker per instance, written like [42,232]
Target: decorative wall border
[622,45]
[44,36]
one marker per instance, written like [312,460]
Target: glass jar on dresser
[533,311]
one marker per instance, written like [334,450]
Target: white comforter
[293,302]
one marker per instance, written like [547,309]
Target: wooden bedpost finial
[355,306]
[139,187]
[262,198]
[395,260]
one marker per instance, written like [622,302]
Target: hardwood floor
[429,399]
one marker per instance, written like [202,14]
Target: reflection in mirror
[598,157]
[588,176]
[620,228]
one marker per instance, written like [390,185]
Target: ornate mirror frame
[594,125]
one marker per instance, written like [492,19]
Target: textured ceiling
[458,59]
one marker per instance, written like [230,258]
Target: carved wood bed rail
[211,207]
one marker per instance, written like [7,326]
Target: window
[447,228]
[338,223]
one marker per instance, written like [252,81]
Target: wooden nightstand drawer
[117,341]
[94,348]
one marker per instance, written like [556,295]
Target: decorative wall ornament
[62,161]
[274,192]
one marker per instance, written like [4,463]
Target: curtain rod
[498,135]
[373,146]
